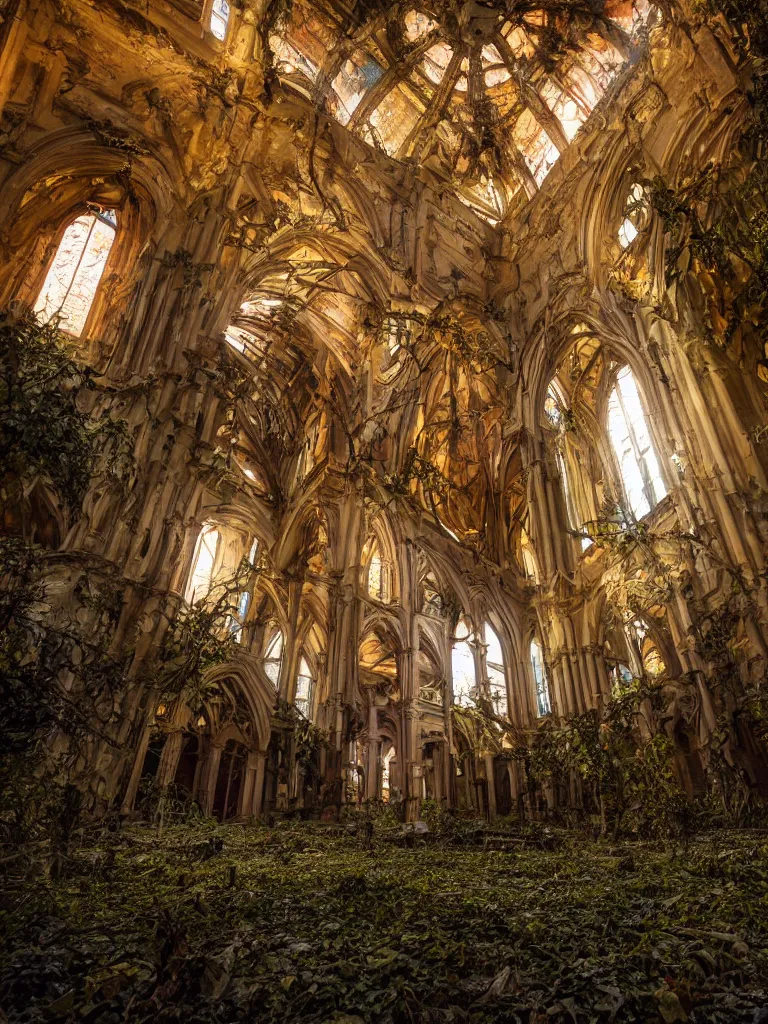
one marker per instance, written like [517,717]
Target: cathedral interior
[384,511]
[436,332]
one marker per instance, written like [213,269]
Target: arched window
[219,18]
[70,285]
[273,657]
[202,568]
[631,440]
[378,577]
[494,666]
[463,666]
[304,689]
[543,703]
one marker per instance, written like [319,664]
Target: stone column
[257,800]
[490,780]
[372,761]
[211,778]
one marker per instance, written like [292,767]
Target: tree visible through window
[631,440]
[70,285]
[543,703]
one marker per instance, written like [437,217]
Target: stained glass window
[631,439]
[543,703]
[70,285]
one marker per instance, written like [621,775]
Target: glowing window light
[631,440]
[463,666]
[71,282]
[219,19]
[304,688]
[202,572]
[494,663]
[273,658]
[543,703]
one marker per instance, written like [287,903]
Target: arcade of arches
[497,449]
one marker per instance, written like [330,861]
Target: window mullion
[639,456]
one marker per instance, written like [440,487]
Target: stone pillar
[211,778]
[372,760]
[169,759]
[138,764]
[257,799]
[490,780]
[246,791]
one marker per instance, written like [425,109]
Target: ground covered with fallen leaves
[310,923]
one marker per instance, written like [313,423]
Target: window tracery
[74,275]
[438,89]
[304,685]
[494,666]
[631,440]
[220,11]
[464,678]
[378,578]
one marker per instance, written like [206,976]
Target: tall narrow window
[304,689]
[543,703]
[273,658]
[570,506]
[463,666]
[202,569]
[70,285]
[219,18]
[378,577]
[494,665]
[631,439]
